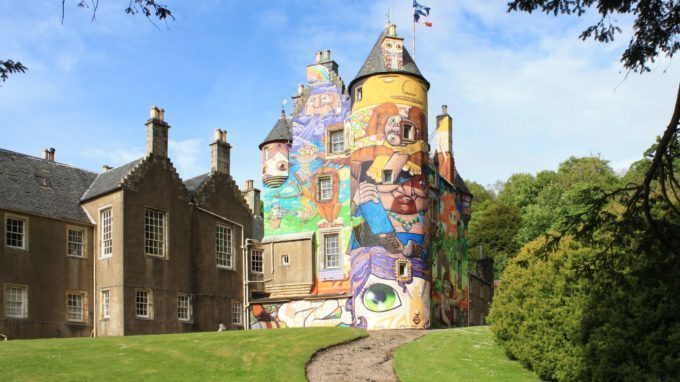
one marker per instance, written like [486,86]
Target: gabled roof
[194,183]
[42,187]
[374,64]
[460,184]
[110,180]
[280,132]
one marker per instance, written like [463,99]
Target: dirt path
[367,359]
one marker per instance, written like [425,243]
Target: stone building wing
[374,64]
[42,187]
[109,181]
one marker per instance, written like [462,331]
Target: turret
[390,195]
[275,153]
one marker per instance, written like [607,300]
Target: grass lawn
[258,355]
[464,354]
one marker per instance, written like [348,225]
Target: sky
[524,91]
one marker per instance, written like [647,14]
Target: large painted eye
[381,298]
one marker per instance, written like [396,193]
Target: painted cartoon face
[276,165]
[322,103]
[406,198]
[392,51]
[393,130]
[385,304]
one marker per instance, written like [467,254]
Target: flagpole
[414,36]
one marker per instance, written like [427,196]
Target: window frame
[24,301]
[227,246]
[236,312]
[189,307]
[327,255]
[412,127]
[150,235]
[358,94]
[83,242]
[388,176]
[320,190]
[80,295]
[103,240]
[331,150]
[105,295]
[148,304]
[253,261]
[24,234]
[287,260]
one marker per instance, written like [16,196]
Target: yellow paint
[397,88]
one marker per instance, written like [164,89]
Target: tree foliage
[8,67]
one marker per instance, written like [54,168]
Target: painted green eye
[381,298]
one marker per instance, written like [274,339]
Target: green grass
[465,354]
[259,355]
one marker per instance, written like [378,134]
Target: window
[409,132]
[106,299]
[331,250]
[266,153]
[15,231]
[337,141]
[359,94]
[154,232]
[256,261]
[387,177]
[16,301]
[185,310]
[285,260]
[403,270]
[75,242]
[236,312]
[144,303]
[224,247]
[325,188]
[106,233]
[75,306]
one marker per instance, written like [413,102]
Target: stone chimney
[46,154]
[444,149]
[327,55]
[318,56]
[220,153]
[252,196]
[157,134]
[391,29]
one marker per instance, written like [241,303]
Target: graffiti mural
[300,313]
[390,262]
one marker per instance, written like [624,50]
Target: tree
[655,31]
[495,230]
[149,8]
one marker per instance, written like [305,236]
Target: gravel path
[367,359]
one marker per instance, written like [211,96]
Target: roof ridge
[48,161]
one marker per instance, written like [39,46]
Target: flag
[420,11]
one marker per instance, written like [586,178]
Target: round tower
[275,153]
[390,265]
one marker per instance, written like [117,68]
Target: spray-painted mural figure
[301,313]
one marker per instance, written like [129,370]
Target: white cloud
[186,155]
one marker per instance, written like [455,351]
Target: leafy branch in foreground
[8,67]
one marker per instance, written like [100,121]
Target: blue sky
[524,92]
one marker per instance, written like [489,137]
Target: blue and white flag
[420,11]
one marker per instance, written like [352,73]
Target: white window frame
[412,136]
[106,303]
[236,312]
[257,261]
[388,176]
[75,306]
[24,301]
[144,301]
[224,246]
[332,134]
[72,241]
[329,257]
[23,234]
[285,260]
[155,233]
[106,232]
[325,193]
[185,304]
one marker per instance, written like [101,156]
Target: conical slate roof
[374,64]
[280,131]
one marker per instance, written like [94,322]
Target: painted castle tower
[353,204]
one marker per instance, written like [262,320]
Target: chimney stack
[444,149]
[327,55]
[252,197]
[52,151]
[392,29]
[220,152]
[46,154]
[157,133]
[106,168]
[318,56]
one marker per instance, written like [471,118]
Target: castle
[364,224]
[362,227]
